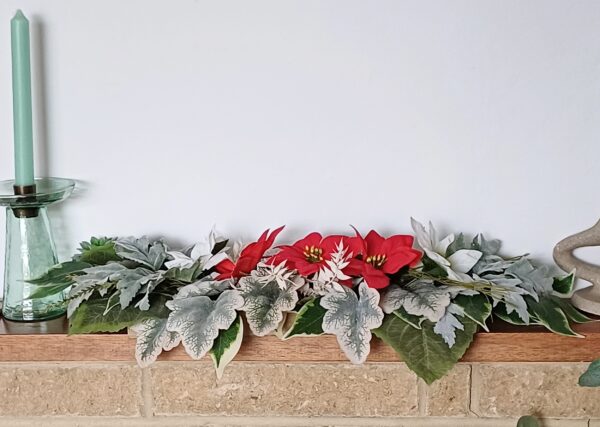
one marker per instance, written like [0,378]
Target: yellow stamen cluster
[376,260]
[313,253]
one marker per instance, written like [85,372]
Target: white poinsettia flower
[456,265]
[201,251]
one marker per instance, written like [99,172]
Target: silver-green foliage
[351,317]
[151,254]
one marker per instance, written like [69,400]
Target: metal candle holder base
[30,250]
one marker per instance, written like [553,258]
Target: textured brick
[196,421]
[54,389]
[450,395]
[285,389]
[547,390]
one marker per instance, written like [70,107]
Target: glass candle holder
[30,249]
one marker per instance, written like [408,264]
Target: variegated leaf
[350,318]
[152,338]
[419,298]
[198,319]
[265,304]
[227,345]
[142,251]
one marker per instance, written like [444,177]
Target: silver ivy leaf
[419,297]
[265,303]
[198,319]
[152,338]
[446,327]
[142,251]
[350,318]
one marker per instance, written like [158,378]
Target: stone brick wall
[301,394]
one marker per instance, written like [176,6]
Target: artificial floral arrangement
[426,302]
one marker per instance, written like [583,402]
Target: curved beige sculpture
[587,299]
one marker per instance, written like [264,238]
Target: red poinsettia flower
[383,256]
[310,254]
[248,259]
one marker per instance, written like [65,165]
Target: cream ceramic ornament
[587,299]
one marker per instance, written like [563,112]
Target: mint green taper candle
[21,79]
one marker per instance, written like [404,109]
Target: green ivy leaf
[309,320]
[424,351]
[57,278]
[528,421]
[564,285]
[227,345]
[90,316]
[476,307]
[549,314]
[591,377]
[98,251]
[572,313]
[411,319]
[60,273]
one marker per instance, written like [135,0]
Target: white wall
[176,115]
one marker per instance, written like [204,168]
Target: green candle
[21,79]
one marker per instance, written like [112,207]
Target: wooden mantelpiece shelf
[48,342]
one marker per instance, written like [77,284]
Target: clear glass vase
[30,250]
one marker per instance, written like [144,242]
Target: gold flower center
[376,260]
[313,253]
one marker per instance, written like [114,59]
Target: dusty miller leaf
[536,280]
[142,251]
[264,304]
[198,319]
[419,298]
[446,327]
[204,287]
[350,318]
[152,338]
[131,282]
[94,278]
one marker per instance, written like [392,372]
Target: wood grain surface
[31,342]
